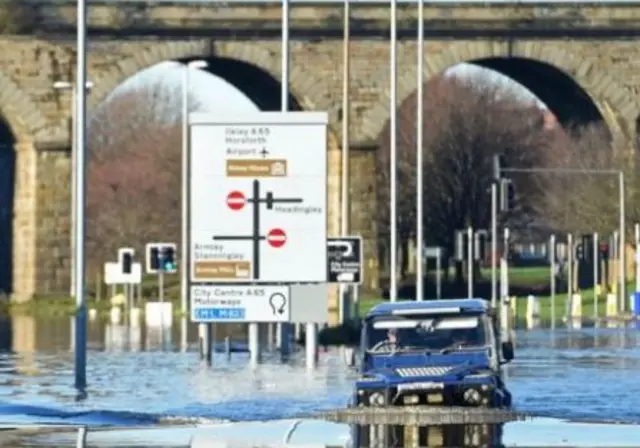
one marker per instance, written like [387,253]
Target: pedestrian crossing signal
[507,195]
[169,258]
[161,257]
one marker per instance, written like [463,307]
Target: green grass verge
[524,276]
[546,309]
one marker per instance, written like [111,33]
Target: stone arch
[611,99]
[309,89]
[26,126]
[25,119]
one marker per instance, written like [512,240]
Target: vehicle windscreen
[432,333]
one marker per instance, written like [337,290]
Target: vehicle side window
[488,323]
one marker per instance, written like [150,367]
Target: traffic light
[153,260]
[580,251]
[161,257]
[125,259]
[507,195]
[604,252]
[169,258]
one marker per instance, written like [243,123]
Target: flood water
[140,376]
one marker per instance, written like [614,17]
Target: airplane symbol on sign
[264,152]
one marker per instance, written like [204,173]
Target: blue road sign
[203,314]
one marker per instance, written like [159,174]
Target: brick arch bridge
[588,41]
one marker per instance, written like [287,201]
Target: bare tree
[588,202]
[134,178]
[467,122]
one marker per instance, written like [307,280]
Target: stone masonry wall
[53,218]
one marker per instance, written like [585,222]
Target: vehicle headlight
[377,399]
[472,396]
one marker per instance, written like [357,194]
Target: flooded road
[139,377]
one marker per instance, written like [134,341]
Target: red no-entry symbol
[236,200]
[276,238]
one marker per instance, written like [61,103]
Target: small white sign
[258,197]
[240,303]
[432,252]
[113,274]
[158,314]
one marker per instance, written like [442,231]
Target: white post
[344,191]
[470,262]
[494,244]
[311,345]
[285,328]
[570,254]
[505,262]
[439,274]
[184,249]
[419,144]
[393,286]
[66,85]
[622,263]
[254,345]
[595,253]
[80,183]
[552,259]
[74,194]
[637,257]
[183,334]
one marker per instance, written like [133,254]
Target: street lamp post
[65,86]
[621,198]
[345,301]
[80,182]
[393,62]
[184,246]
[419,144]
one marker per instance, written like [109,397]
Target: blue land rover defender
[441,353]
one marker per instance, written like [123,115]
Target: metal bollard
[311,345]
[227,347]
[204,333]
[254,345]
[81,441]
[270,337]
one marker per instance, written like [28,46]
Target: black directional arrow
[278,302]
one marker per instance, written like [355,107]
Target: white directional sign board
[258,197]
[240,303]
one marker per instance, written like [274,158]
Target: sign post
[553,276]
[257,214]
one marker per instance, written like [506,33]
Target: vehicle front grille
[406,372]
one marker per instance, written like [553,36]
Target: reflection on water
[446,436]
[26,334]
[573,373]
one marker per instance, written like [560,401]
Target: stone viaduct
[580,58]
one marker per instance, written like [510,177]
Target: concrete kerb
[421,416]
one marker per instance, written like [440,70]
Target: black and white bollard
[311,345]
[254,345]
